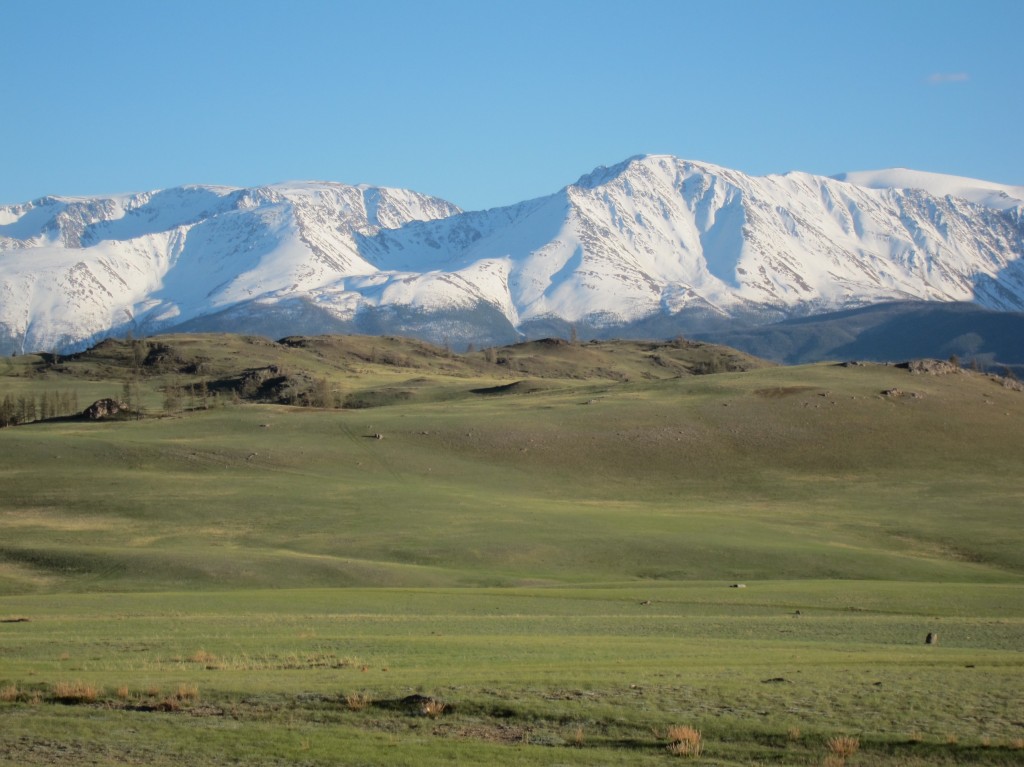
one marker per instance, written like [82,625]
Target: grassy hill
[544,537]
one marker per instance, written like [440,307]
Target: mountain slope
[75,269]
[653,246]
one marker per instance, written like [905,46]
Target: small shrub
[9,693]
[357,701]
[684,741]
[433,708]
[843,746]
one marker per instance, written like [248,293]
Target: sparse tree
[140,351]
[130,396]
[172,398]
[320,395]
[26,408]
[8,414]
[45,409]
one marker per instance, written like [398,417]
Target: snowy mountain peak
[987,193]
[654,245]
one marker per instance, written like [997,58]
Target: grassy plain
[551,547]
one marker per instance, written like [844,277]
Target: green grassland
[547,538]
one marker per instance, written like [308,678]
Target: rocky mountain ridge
[653,246]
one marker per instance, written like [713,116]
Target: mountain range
[655,246]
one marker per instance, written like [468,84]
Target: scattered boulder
[931,367]
[103,408]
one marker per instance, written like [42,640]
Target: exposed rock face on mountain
[651,247]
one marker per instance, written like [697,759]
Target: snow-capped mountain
[653,246]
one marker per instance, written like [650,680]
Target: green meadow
[545,554]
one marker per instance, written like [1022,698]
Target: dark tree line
[26,408]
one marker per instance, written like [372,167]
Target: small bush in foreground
[684,741]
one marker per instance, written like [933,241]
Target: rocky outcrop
[932,367]
[104,408]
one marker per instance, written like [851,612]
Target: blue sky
[487,103]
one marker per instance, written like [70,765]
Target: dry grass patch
[75,692]
[843,745]
[357,701]
[186,692]
[684,741]
[432,708]
[123,693]
[793,734]
[9,693]
[204,657]
[578,737]
[841,748]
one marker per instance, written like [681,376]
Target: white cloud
[944,78]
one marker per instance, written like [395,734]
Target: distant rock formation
[103,408]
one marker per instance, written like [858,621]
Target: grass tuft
[187,691]
[432,708]
[842,747]
[204,657]
[578,738]
[9,693]
[684,741]
[75,692]
[357,701]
